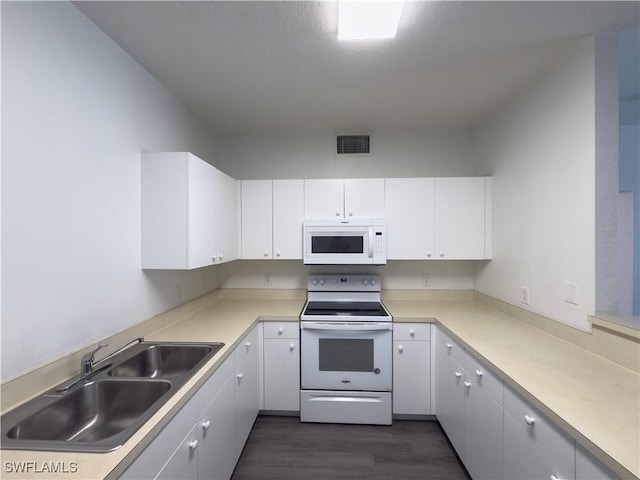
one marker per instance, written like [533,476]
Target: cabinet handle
[278,253]
[266,253]
[213,258]
[280,331]
[239,376]
[467,384]
[457,374]
[441,254]
[292,347]
[479,373]
[221,256]
[206,424]
[248,345]
[412,332]
[529,420]
[400,348]
[449,345]
[428,254]
[337,214]
[351,214]
[553,477]
[193,444]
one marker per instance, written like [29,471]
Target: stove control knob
[315,281]
[321,282]
[373,282]
[365,281]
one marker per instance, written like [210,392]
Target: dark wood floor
[282,448]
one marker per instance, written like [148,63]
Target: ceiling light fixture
[361,20]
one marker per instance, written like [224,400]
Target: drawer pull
[239,376]
[553,477]
[400,348]
[479,373]
[206,424]
[449,345]
[467,384]
[193,444]
[529,420]
[457,374]
[248,344]
[280,331]
[292,347]
[412,332]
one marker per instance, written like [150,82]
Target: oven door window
[345,355]
[337,244]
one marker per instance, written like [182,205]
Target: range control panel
[354,282]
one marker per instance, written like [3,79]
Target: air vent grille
[353,145]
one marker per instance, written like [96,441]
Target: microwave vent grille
[353,144]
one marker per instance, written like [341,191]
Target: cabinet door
[201,224]
[226,217]
[409,212]
[411,377]
[257,213]
[364,198]
[288,217]
[460,218]
[282,374]
[590,468]
[183,463]
[450,399]
[247,401]
[483,431]
[324,198]
[216,452]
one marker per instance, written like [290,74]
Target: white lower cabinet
[411,368]
[281,366]
[205,438]
[183,463]
[246,377]
[534,448]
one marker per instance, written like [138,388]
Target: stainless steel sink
[101,412]
[161,361]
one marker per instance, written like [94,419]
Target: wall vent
[353,144]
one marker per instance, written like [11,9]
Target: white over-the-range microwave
[358,241]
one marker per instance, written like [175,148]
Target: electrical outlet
[524,295]
[426,280]
[267,279]
[571,293]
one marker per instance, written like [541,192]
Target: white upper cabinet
[226,217]
[272,215]
[178,224]
[335,198]
[288,217]
[461,227]
[257,213]
[409,212]
[438,218]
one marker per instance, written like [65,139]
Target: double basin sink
[101,411]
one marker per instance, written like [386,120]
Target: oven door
[346,356]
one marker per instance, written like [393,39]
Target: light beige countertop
[595,401]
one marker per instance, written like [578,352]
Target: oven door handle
[358,327]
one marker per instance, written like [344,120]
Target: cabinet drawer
[483,378]
[541,431]
[411,331]
[248,347]
[450,346]
[281,330]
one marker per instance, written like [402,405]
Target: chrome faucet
[88,363]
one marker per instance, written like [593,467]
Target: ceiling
[277,66]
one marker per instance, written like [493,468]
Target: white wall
[77,111]
[311,155]
[540,149]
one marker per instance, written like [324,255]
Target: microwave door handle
[370,242]
[346,326]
